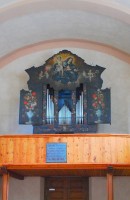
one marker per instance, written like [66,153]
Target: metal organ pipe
[50,109]
[79,110]
[47,109]
[81,107]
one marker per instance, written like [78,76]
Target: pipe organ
[65,96]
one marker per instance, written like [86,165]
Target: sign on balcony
[56,152]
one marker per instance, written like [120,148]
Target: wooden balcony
[87,154]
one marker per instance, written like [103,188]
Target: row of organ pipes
[64,113]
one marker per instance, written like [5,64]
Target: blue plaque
[56,152]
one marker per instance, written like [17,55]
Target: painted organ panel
[61,96]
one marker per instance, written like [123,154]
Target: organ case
[65,96]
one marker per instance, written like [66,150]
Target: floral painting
[29,107]
[99,106]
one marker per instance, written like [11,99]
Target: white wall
[31,188]
[97,188]
[13,78]
[121,188]
[42,182]
[27,189]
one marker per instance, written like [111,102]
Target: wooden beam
[5,186]
[16,175]
[110,184]
[12,174]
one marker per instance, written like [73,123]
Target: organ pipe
[79,110]
[50,109]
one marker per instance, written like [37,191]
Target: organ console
[65,96]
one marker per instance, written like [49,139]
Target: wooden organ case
[65,96]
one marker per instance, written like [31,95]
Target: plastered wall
[31,188]
[27,189]
[42,183]
[13,78]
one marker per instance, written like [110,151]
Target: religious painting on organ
[65,95]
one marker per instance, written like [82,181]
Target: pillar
[110,186]
[5,186]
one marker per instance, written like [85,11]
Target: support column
[110,186]
[5,186]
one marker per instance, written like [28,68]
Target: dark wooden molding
[4,170]
[110,170]
[12,174]
[15,175]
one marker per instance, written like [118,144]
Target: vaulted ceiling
[31,25]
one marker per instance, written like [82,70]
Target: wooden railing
[81,148]
[87,155]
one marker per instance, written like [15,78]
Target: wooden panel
[78,188]
[87,155]
[55,189]
[85,149]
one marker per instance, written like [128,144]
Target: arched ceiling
[27,24]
